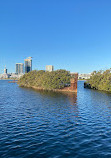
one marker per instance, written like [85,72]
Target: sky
[70,34]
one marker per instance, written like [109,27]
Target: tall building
[28,64]
[49,68]
[19,68]
[5,70]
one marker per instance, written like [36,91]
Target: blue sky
[70,34]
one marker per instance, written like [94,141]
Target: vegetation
[45,80]
[100,80]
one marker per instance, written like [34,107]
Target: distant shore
[9,79]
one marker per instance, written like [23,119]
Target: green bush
[101,80]
[46,80]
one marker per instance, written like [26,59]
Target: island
[59,80]
[99,80]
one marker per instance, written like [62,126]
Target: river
[42,124]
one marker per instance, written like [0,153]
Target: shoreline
[66,89]
[88,86]
[8,79]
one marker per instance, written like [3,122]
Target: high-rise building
[19,68]
[5,70]
[28,64]
[49,68]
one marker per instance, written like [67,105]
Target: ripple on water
[48,124]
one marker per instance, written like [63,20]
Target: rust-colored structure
[73,84]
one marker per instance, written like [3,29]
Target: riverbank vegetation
[100,80]
[45,80]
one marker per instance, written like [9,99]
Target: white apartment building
[49,68]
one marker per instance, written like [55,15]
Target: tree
[46,80]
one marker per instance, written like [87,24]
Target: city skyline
[71,35]
[43,68]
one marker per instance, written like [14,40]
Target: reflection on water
[72,96]
[54,124]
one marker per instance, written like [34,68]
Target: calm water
[54,125]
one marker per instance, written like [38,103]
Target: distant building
[28,64]
[15,76]
[84,76]
[19,68]
[5,70]
[49,68]
[5,75]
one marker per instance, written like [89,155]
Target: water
[54,125]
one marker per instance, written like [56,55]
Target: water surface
[55,125]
